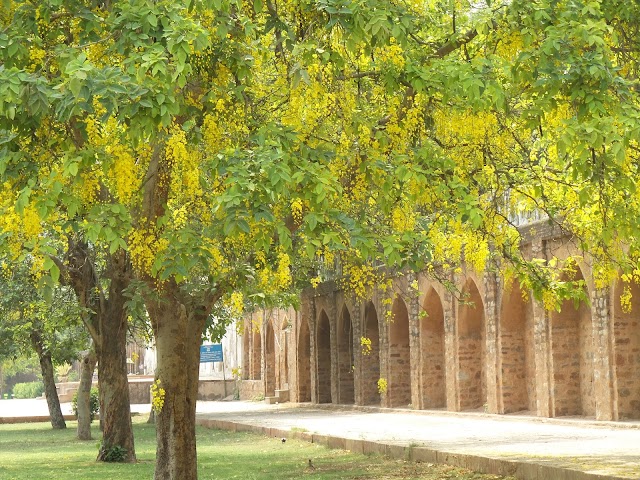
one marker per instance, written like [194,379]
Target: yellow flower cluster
[272,281]
[185,177]
[157,396]
[36,58]
[144,245]
[296,210]
[358,279]
[391,56]
[382,386]
[125,173]
[403,218]
[625,299]
[235,303]
[365,345]
[225,127]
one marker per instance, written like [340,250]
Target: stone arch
[346,393]
[370,359]
[270,361]
[304,362]
[323,355]
[626,331]
[399,381]
[572,350]
[432,348]
[517,352]
[472,350]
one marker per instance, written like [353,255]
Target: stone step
[271,400]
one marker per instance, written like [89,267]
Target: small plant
[116,453]
[258,398]
[28,390]
[157,396]
[94,403]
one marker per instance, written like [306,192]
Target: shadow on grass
[35,451]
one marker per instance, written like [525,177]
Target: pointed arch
[626,331]
[399,381]
[371,359]
[472,351]
[304,362]
[346,393]
[517,353]
[270,360]
[572,350]
[432,348]
[323,355]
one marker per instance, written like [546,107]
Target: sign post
[211,354]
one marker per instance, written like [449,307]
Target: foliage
[28,390]
[94,403]
[222,455]
[24,311]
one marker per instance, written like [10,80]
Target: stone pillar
[414,343]
[542,345]
[451,351]
[383,331]
[332,308]
[602,359]
[356,325]
[491,320]
[312,350]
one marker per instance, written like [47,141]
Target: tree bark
[113,380]
[107,324]
[84,395]
[178,335]
[50,392]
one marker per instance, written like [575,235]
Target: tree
[231,147]
[50,330]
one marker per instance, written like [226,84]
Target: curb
[495,466]
[33,419]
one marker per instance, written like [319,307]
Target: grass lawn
[35,451]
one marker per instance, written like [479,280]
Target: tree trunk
[178,337]
[107,323]
[113,381]
[50,392]
[84,395]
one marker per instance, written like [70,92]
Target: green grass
[35,451]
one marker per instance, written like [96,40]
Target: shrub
[28,390]
[94,403]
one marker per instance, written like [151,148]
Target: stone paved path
[609,449]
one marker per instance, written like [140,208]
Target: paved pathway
[609,449]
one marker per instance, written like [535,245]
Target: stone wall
[482,346]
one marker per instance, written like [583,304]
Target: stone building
[498,351]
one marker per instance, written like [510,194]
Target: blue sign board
[211,353]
